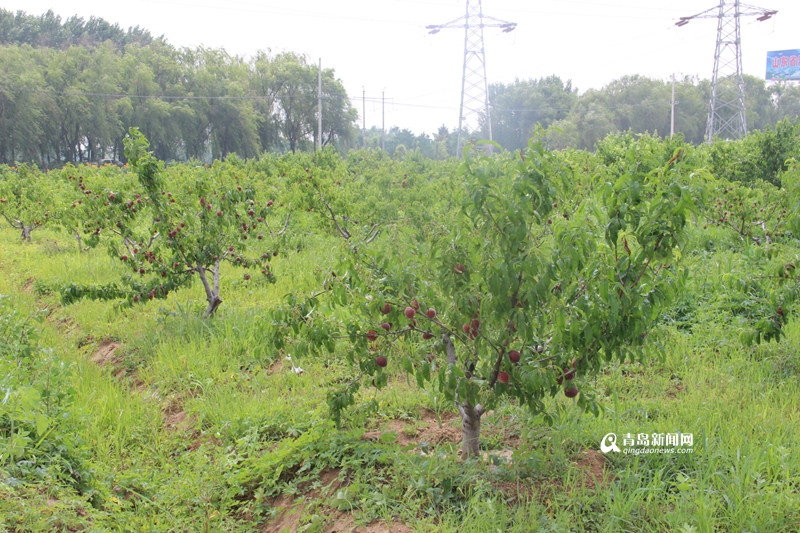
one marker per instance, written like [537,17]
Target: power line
[273,10]
[160,97]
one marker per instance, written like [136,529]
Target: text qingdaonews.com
[638,451]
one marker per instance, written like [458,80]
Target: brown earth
[592,464]
[28,287]
[292,512]
[426,430]
[105,353]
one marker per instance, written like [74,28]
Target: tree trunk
[212,307]
[470,414]
[470,429]
[212,293]
[80,242]
[26,233]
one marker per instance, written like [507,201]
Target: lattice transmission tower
[727,113]
[474,87]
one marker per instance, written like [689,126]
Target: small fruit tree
[98,195]
[28,198]
[179,226]
[539,283]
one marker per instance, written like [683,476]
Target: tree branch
[449,349]
[344,232]
[647,263]
[374,234]
[285,224]
[17,225]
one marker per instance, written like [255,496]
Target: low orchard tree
[29,199]
[539,284]
[93,203]
[176,228]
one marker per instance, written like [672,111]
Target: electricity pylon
[474,87]
[727,112]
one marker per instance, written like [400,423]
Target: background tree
[519,106]
[23,113]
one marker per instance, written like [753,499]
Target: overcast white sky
[383,44]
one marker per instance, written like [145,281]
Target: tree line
[632,103]
[67,103]
[69,91]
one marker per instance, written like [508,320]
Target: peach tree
[92,203]
[179,226]
[530,291]
[29,199]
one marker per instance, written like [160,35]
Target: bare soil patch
[674,390]
[28,286]
[425,430]
[345,524]
[290,519]
[592,464]
[291,512]
[174,417]
[105,354]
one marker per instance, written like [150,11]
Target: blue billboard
[783,65]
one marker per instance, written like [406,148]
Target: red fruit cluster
[472,328]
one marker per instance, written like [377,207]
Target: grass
[251,428]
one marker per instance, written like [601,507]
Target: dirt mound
[174,417]
[592,464]
[410,432]
[105,353]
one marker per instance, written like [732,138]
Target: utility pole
[727,117]
[672,114]
[319,103]
[383,120]
[364,116]
[474,87]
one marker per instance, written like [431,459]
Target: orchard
[400,340]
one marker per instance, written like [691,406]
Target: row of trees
[49,30]
[75,105]
[631,103]
[69,90]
